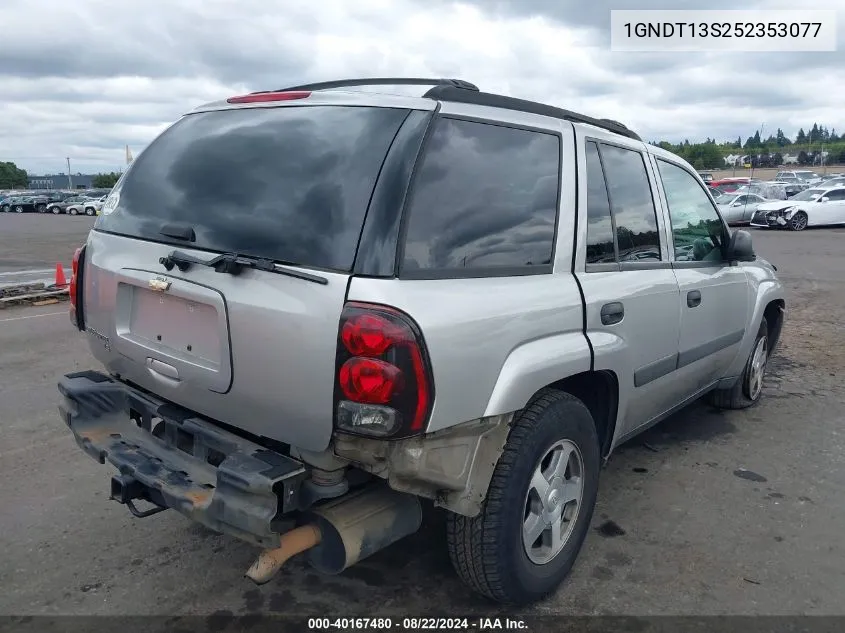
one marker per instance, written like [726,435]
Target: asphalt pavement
[707,513]
[31,244]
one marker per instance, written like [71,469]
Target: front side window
[697,230]
[484,201]
[837,195]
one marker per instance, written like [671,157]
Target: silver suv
[316,307]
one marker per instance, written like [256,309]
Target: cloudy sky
[83,78]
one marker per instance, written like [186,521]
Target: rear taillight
[263,97]
[73,288]
[383,385]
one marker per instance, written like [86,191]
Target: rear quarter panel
[493,342]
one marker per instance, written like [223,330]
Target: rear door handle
[612,313]
[693,298]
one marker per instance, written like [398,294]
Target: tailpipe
[360,524]
[270,561]
[344,531]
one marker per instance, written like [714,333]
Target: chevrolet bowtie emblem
[158,284]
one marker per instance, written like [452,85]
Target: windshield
[807,175]
[808,194]
[290,184]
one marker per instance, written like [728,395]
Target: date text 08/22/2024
[415,624]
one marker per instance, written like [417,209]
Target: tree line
[13,177]
[768,152]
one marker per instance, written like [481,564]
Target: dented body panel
[182,462]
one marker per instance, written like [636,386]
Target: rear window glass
[289,184]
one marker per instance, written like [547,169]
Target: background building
[60,181]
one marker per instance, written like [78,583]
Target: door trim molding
[655,370]
[713,346]
[664,366]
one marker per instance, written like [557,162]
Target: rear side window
[600,243]
[632,204]
[291,184]
[483,202]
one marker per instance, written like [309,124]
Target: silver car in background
[739,207]
[86,206]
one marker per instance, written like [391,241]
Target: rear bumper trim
[219,479]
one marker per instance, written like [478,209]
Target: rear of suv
[316,307]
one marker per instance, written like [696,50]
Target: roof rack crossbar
[448,93]
[458,84]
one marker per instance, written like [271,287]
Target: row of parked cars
[818,201]
[88,202]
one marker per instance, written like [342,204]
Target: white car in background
[818,206]
[87,206]
[804,175]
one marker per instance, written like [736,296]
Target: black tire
[487,550]
[5,208]
[798,222]
[73,212]
[56,210]
[741,395]
[18,209]
[41,208]
[89,211]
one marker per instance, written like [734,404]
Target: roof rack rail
[445,92]
[457,84]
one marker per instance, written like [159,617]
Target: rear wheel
[5,208]
[41,208]
[539,505]
[55,210]
[18,209]
[798,222]
[749,388]
[73,211]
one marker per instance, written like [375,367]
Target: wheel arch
[774,313]
[599,391]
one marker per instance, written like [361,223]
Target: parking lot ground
[35,241]
[708,513]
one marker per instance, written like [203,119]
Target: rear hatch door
[250,342]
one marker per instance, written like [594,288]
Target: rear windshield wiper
[233,264]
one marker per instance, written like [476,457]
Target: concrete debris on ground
[31,294]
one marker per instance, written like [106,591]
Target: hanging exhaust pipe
[270,561]
[344,531]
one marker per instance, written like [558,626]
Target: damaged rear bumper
[175,459]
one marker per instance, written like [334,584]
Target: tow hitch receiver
[126,489]
[174,458]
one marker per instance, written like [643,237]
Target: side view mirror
[825,199]
[740,248]
[736,204]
